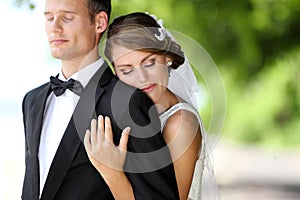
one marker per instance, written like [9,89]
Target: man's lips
[58,41]
[148,88]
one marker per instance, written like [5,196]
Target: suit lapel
[85,109]
[80,121]
[34,126]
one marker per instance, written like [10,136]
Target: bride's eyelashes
[129,69]
[149,63]
[126,71]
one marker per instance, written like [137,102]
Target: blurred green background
[256,46]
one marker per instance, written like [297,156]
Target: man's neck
[70,67]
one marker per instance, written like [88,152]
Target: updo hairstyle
[139,31]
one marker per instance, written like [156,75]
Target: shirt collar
[85,74]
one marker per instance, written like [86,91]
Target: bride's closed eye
[148,63]
[126,71]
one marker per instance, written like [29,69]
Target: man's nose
[56,25]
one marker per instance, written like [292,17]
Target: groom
[57,114]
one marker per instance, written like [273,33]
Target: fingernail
[127,129]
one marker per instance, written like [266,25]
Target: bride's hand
[106,157]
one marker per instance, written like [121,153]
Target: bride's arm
[109,164]
[182,134]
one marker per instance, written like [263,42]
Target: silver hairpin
[163,32]
[162,35]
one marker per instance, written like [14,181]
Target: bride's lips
[148,88]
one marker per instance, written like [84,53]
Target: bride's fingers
[108,130]
[124,139]
[87,143]
[100,132]
[93,132]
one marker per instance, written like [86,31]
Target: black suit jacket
[71,175]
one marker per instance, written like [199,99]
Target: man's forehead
[69,6]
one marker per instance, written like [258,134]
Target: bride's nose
[142,75]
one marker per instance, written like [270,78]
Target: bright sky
[26,62]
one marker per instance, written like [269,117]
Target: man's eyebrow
[61,11]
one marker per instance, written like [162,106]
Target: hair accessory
[162,35]
[163,32]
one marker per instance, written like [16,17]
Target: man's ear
[101,20]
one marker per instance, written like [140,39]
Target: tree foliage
[255,44]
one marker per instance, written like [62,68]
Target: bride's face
[146,71]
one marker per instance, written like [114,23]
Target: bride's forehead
[120,53]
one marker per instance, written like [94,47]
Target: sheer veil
[183,83]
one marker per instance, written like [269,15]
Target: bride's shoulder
[183,118]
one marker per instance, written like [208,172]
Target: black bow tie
[59,86]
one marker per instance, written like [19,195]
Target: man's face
[71,34]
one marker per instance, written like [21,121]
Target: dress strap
[179,106]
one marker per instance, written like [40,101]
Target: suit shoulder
[37,89]
[122,90]
[34,92]
[119,88]
[131,103]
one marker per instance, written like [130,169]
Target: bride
[146,56]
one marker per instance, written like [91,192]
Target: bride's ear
[101,20]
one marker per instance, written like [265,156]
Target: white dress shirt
[57,114]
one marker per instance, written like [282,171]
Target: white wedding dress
[201,187]
[183,83]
